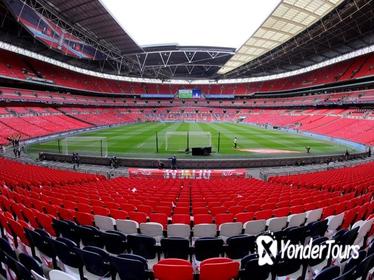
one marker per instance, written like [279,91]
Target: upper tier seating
[16,66]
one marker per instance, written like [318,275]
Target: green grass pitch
[139,140]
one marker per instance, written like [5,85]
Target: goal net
[178,141]
[93,146]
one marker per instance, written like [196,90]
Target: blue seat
[353,262]
[175,247]
[31,263]
[284,267]
[67,255]
[248,258]
[316,261]
[5,248]
[328,273]
[94,263]
[114,242]
[67,229]
[43,242]
[18,268]
[208,247]
[142,245]
[251,270]
[317,228]
[90,236]
[240,246]
[364,267]
[130,267]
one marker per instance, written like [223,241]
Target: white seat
[104,222]
[127,226]
[60,275]
[254,227]
[296,220]
[227,230]
[276,224]
[313,215]
[179,230]
[333,223]
[37,276]
[152,229]
[364,229]
[204,230]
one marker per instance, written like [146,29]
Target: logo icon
[267,248]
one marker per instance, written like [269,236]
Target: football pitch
[165,139]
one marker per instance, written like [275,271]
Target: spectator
[114,162]
[307,148]
[75,160]
[173,162]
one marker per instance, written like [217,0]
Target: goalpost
[85,145]
[179,141]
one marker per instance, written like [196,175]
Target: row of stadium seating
[46,97]
[50,215]
[15,66]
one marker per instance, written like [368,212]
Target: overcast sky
[219,23]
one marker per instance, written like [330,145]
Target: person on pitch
[235,142]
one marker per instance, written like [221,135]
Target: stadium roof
[289,18]
[91,16]
[347,28]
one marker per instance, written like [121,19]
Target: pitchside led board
[189,93]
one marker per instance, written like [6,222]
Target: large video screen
[189,93]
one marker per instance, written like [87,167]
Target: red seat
[160,218]
[163,209]
[218,269]
[281,212]
[118,214]
[139,217]
[224,218]
[181,210]
[30,215]
[85,219]
[144,208]
[235,209]
[263,214]
[203,219]
[328,211]
[181,219]
[244,217]
[171,269]
[17,229]
[66,214]
[200,210]
[98,210]
[218,210]
[84,208]
[297,209]
[349,217]
[45,222]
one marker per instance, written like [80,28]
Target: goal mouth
[180,141]
[85,145]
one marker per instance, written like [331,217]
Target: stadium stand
[59,208]
[60,224]
[16,66]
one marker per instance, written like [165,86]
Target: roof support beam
[288,21]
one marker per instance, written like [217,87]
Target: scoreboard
[189,93]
